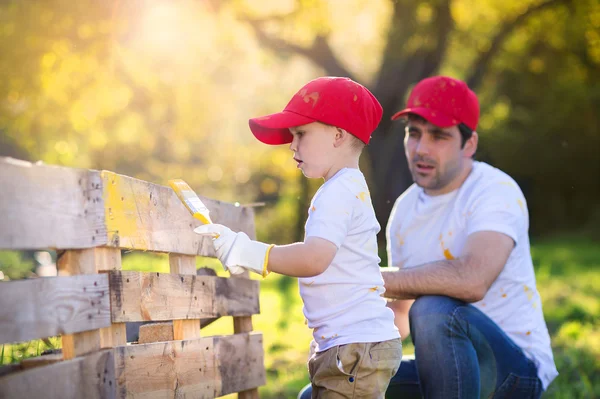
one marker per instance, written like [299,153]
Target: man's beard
[440,177]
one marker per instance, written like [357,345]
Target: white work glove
[236,251]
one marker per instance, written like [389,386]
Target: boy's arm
[237,250]
[302,259]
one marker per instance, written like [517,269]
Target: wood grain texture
[49,306]
[90,377]
[146,216]
[45,206]
[201,368]
[243,324]
[139,296]
[184,329]
[91,261]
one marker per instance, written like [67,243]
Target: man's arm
[467,278]
[302,259]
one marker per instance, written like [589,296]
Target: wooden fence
[88,217]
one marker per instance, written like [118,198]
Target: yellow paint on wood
[122,210]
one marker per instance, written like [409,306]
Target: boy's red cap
[339,102]
[444,102]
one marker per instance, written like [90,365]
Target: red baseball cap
[335,101]
[443,101]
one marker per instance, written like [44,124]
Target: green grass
[568,277]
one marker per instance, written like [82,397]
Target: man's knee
[431,313]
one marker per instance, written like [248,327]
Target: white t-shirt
[425,229]
[343,304]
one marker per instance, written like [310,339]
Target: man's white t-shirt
[425,229]
[344,304]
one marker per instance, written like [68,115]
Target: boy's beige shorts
[359,370]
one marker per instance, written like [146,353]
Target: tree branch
[482,63]
[320,52]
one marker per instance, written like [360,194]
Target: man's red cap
[444,102]
[339,102]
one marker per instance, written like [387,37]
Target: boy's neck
[350,163]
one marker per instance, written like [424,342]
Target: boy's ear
[341,136]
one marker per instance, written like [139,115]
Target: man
[464,279]
[459,237]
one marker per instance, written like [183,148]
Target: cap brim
[274,129]
[435,117]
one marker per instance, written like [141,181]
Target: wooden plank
[201,368]
[87,261]
[139,296]
[42,360]
[156,332]
[49,306]
[243,324]
[90,377]
[64,208]
[45,206]
[145,216]
[184,329]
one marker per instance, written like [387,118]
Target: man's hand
[236,251]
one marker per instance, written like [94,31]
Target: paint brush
[191,200]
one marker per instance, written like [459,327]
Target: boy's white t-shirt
[344,304]
[430,228]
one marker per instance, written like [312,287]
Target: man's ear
[341,136]
[470,147]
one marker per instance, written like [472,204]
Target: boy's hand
[236,251]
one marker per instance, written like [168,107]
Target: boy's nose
[294,145]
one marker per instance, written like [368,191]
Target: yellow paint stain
[529,295]
[506,183]
[313,208]
[373,289]
[483,304]
[534,305]
[125,210]
[448,255]
[441,237]
[521,205]
[528,333]
[450,233]
[503,295]
[525,288]
[362,196]
[335,335]
[322,337]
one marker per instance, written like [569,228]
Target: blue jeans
[460,353]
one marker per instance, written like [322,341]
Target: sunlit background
[164,89]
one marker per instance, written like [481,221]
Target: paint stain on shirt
[521,205]
[362,196]
[448,255]
[373,289]
[313,208]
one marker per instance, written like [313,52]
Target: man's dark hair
[465,133]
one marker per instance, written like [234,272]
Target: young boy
[357,347]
